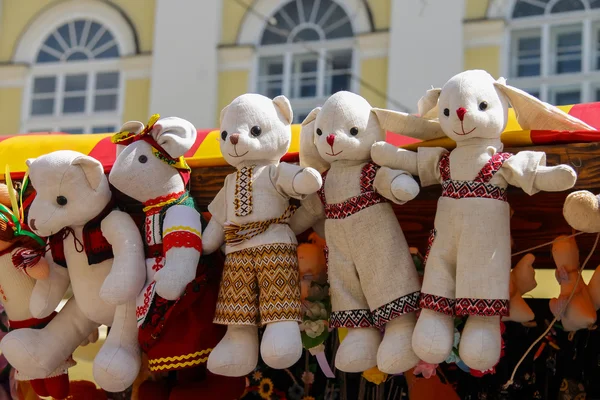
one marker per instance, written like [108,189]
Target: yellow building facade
[89,65]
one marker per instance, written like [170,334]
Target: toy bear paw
[405,188]
[358,350]
[281,344]
[28,352]
[237,353]
[171,282]
[307,182]
[116,367]
[115,291]
[383,153]
[433,336]
[582,211]
[395,354]
[481,342]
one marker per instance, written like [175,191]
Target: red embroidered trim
[182,239]
[140,311]
[477,188]
[351,319]
[482,307]
[367,197]
[437,303]
[394,309]
[161,199]
[31,322]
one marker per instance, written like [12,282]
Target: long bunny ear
[409,125]
[309,155]
[428,104]
[175,135]
[532,113]
[129,126]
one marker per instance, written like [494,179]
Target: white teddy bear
[99,251]
[260,284]
[468,266]
[373,279]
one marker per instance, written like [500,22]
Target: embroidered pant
[260,285]
[468,265]
[372,276]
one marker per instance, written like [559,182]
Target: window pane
[567,97]
[339,69]
[74,83]
[304,76]
[45,84]
[40,130]
[567,5]
[568,52]
[597,95]
[528,56]
[103,129]
[94,28]
[42,107]
[110,52]
[595,3]
[523,9]
[270,80]
[72,130]
[73,104]
[105,102]
[307,35]
[107,80]
[44,57]
[78,56]
[299,117]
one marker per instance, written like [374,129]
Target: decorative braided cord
[243,192]
[236,234]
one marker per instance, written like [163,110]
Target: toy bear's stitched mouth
[463,131]
[333,154]
[236,154]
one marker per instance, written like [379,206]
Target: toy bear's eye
[61,200]
[354,131]
[446,112]
[142,159]
[483,105]
[319,132]
[255,131]
[224,135]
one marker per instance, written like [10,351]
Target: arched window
[306,53]
[555,49]
[75,84]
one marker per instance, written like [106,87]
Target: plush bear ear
[532,113]
[428,104]
[285,108]
[92,168]
[309,155]
[409,125]
[222,115]
[29,161]
[129,126]
[175,135]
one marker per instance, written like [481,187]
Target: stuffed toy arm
[582,211]
[424,163]
[213,236]
[394,185]
[295,181]
[310,213]
[128,273]
[528,170]
[48,293]
[182,245]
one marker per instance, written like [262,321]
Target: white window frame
[548,80]
[305,105]
[87,119]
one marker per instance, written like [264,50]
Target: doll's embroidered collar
[162,201]
[126,138]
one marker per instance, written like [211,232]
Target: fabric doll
[580,312]
[17,281]
[468,266]
[260,284]
[522,280]
[96,249]
[373,280]
[176,306]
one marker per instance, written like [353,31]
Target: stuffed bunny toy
[96,249]
[177,304]
[373,280]
[17,280]
[468,266]
[522,280]
[260,284]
